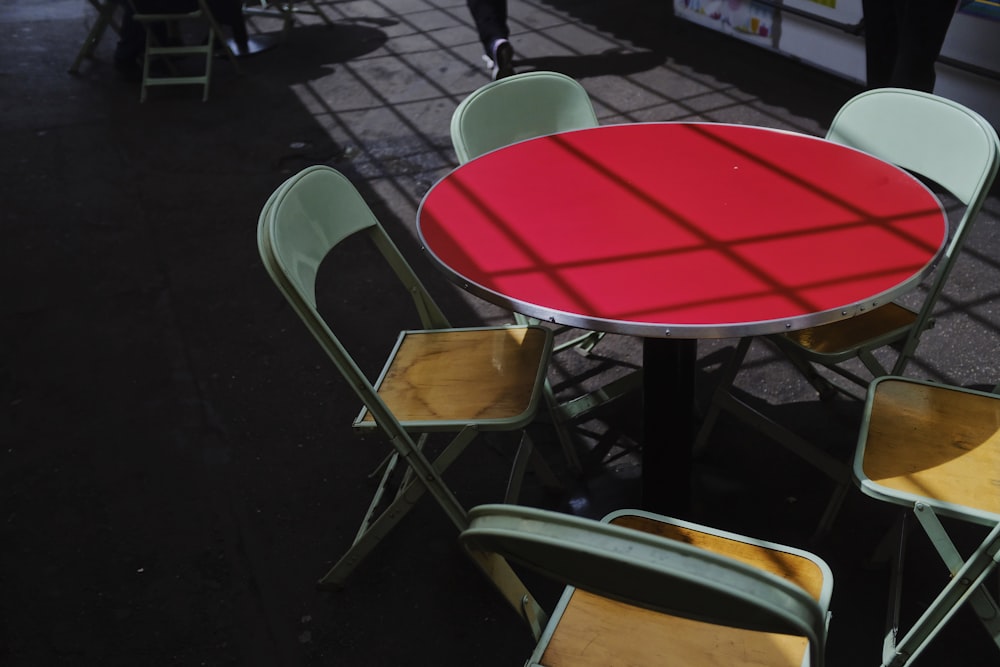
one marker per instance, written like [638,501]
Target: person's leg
[490,17]
[922,33]
[881,40]
[229,13]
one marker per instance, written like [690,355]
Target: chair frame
[482,108]
[105,19]
[969,182]
[968,574]
[156,50]
[497,97]
[651,572]
[421,474]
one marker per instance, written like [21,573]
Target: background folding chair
[436,380]
[934,138]
[164,52]
[936,450]
[105,18]
[644,589]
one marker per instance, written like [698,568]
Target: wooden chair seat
[445,376]
[841,339]
[594,631]
[935,442]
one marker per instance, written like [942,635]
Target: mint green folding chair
[645,589]
[934,138]
[935,449]
[201,17]
[437,379]
[519,107]
[516,108]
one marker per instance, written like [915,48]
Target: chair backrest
[301,222]
[649,571]
[519,107]
[933,137]
[923,133]
[307,216]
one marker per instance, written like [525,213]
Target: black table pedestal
[668,424]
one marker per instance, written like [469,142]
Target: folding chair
[286,11]
[436,379]
[934,138]
[519,107]
[155,49]
[105,18]
[523,106]
[645,589]
[936,450]
[512,109]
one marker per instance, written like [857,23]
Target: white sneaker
[502,63]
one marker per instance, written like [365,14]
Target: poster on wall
[741,17]
[986,8]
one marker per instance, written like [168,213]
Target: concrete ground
[177,465]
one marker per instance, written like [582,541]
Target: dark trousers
[903,39]
[491,21]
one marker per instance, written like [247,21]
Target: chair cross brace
[966,585]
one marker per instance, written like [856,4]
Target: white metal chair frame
[155,50]
[968,574]
[517,108]
[932,137]
[292,270]
[651,572]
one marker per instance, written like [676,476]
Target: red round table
[679,231]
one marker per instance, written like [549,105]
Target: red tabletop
[683,230]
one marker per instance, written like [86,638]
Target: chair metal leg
[965,585]
[979,599]
[826,389]
[527,456]
[105,18]
[510,586]
[893,549]
[562,431]
[373,528]
[724,386]
[422,475]
[545,475]
[830,512]
[208,64]
[216,30]
[724,399]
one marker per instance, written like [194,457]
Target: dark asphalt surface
[177,465]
